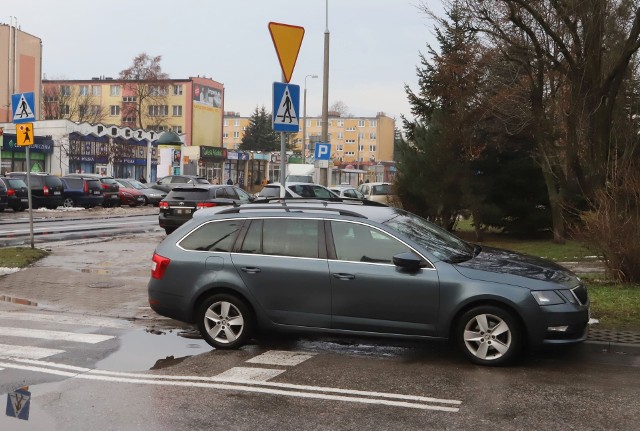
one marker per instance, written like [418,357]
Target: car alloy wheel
[489,335]
[68,203]
[224,321]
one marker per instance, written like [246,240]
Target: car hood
[504,266]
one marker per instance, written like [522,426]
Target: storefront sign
[213,153]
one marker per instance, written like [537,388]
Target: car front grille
[580,292]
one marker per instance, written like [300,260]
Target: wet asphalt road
[140,380]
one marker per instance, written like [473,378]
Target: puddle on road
[141,350]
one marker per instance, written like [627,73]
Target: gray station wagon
[359,268]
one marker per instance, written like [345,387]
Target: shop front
[235,167]
[14,159]
[211,163]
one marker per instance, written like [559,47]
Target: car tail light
[104,186]
[159,265]
[45,191]
[86,187]
[206,205]
[164,205]
[11,192]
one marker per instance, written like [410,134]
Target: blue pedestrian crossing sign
[286,105]
[18,403]
[23,108]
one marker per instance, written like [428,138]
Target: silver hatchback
[359,268]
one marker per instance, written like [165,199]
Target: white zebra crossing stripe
[246,374]
[26,352]
[54,335]
[281,357]
[66,319]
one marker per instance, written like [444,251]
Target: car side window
[321,192]
[355,242]
[283,237]
[165,180]
[242,195]
[231,193]
[213,236]
[350,193]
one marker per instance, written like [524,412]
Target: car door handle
[251,270]
[342,276]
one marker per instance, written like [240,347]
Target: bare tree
[64,101]
[148,86]
[341,108]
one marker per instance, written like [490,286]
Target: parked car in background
[109,186]
[152,196]
[379,192]
[82,192]
[346,191]
[296,190]
[16,192]
[169,182]
[360,268]
[4,199]
[46,189]
[131,197]
[181,202]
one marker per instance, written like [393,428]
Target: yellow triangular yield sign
[287,40]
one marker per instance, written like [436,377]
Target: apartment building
[364,140]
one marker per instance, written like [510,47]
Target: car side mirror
[407,260]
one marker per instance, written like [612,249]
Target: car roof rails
[289,208]
[337,199]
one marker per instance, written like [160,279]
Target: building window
[84,90]
[177,129]
[50,99]
[236,123]
[157,90]
[127,99]
[349,153]
[114,110]
[360,123]
[372,135]
[340,135]
[128,120]
[360,147]
[236,134]
[158,110]
[360,135]
[318,123]
[308,123]
[65,110]
[114,90]
[225,135]
[95,109]
[340,123]
[350,141]
[95,90]
[65,90]
[177,90]
[226,123]
[177,110]
[372,147]
[351,129]
[374,123]
[339,147]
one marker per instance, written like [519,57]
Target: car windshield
[202,181]
[436,240]
[269,192]
[381,189]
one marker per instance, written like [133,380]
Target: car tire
[225,321]
[489,335]
[68,203]
[169,230]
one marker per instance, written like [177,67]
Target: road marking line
[246,374]
[234,387]
[26,352]
[254,383]
[281,357]
[54,335]
[65,319]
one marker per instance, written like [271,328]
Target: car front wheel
[68,203]
[489,335]
[224,321]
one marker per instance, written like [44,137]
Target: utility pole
[324,177]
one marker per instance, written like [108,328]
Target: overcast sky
[374,45]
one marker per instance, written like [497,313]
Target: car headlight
[547,297]
[128,195]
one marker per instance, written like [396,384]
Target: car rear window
[74,183]
[110,181]
[202,181]
[14,183]
[52,181]
[195,194]
[93,184]
[382,189]
[269,192]
[213,236]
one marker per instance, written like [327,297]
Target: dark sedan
[181,202]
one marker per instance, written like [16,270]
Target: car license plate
[183,211]
[96,192]
[24,200]
[56,193]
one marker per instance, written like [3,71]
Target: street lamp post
[304,117]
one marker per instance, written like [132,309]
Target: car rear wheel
[68,203]
[489,335]
[225,321]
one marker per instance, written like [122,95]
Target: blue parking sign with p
[323,151]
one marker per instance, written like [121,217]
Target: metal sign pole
[29,196]
[283,153]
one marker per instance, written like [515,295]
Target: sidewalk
[108,277]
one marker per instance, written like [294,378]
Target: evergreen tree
[259,135]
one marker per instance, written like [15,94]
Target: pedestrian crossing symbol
[286,105]
[23,108]
[18,403]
